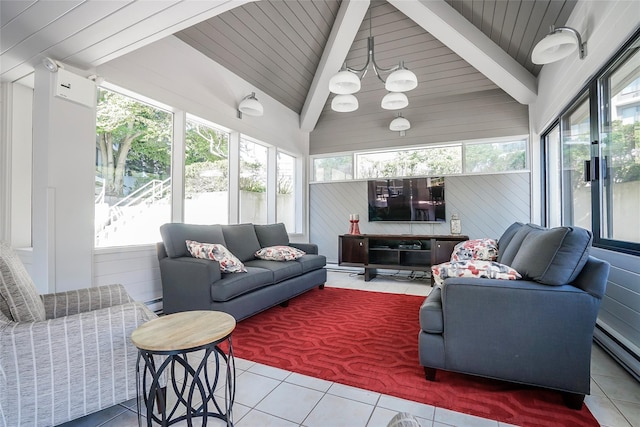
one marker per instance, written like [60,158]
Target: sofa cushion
[175,234]
[281,270]
[233,285]
[279,253]
[553,256]
[216,252]
[482,249]
[272,235]
[312,262]
[473,268]
[241,240]
[506,255]
[19,298]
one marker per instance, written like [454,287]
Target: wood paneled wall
[487,205]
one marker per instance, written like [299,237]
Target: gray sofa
[536,331]
[197,284]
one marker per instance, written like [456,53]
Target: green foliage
[498,157]
[204,144]
[133,139]
[428,161]
[206,177]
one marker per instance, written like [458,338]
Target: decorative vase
[456,226]
[354,219]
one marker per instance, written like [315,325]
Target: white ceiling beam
[454,31]
[343,33]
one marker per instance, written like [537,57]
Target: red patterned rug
[370,340]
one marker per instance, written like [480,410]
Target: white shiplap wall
[487,205]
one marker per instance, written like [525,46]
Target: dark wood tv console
[395,251]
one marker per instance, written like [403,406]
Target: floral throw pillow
[279,253]
[216,252]
[473,268]
[482,249]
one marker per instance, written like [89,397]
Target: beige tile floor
[267,396]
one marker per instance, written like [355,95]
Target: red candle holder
[354,228]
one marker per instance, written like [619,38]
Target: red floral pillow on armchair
[473,268]
[481,249]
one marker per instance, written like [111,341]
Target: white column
[64,156]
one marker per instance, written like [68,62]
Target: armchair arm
[186,283]
[85,362]
[84,300]
[310,248]
[520,330]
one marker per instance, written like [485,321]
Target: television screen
[408,199]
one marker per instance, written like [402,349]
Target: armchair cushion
[553,256]
[84,300]
[482,249]
[19,298]
[473,268]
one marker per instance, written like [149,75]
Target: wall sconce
[400,124]
[558,44]
[51,64]
[250,106]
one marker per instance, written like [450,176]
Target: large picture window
[599,155]
[206,175]
[286,191]
[133,170]
[253,182]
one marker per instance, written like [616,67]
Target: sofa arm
[310,248]
[186,283]
[520,329]
[86,354]
[84,300]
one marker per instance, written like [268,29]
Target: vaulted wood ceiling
[289,49]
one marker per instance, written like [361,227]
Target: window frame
[593,90]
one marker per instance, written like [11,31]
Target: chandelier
[346,82]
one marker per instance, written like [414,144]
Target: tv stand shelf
[395,251]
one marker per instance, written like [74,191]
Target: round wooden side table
[173,337]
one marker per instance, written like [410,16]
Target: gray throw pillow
[506,255]
[272,235]
[506,238]
[553,256]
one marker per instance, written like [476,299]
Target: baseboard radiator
[624,352]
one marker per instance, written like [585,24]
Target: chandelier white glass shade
[401,80]
[344,83]
[250,106]
[394,101]
[399,124]
[347,80]
[344,103]
[558,44]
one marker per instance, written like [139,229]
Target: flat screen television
[407,199]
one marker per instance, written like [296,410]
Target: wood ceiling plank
[275,41]
[284,17]
[477,11]
[526,7]
[11,9]
[498,21]
[509,24]
[76,21]
[488,14]
[537,22]
[32,20]
[315,28]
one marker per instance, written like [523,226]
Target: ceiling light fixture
[344,103]
[558,44]
[250,106]
[51,64]
[400,79]
[394,101]
[400,124]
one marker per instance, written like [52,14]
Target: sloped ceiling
[288,49]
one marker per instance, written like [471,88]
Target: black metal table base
[198,382]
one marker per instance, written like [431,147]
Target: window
[599,184]
[286,191]
[133,165]
[495,156]
[576,146]
[253,182]
[420,162]
[206,180]
[620,151]
[333,168]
